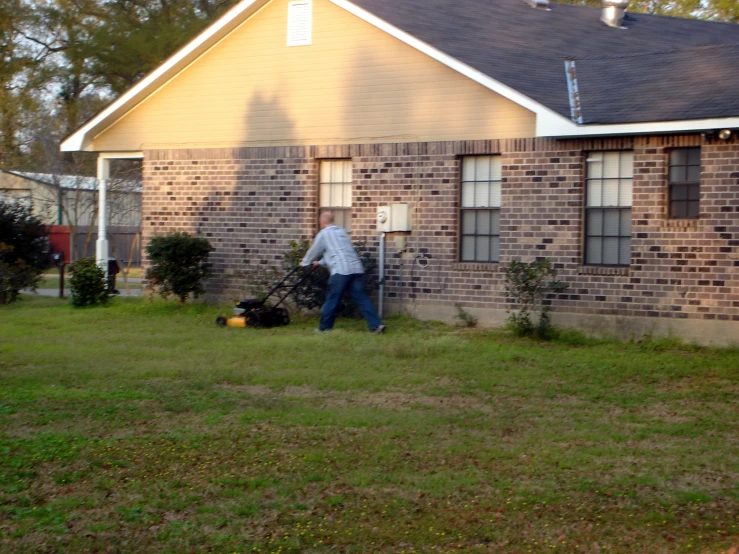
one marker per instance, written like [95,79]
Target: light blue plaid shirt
[334,244]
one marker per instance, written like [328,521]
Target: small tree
[529,285]
[24,250]
[88,283]
[179,264]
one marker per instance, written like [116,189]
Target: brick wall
[251,201]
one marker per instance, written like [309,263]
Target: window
[684,182]
[335,191]
[480,212]
[299,23]
[608,208]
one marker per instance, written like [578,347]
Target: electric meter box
[394,218]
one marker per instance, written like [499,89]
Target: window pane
[468,195]
[482,168]
[610,250]
[627,165]
[595,193]
[611,221]
[595,165]
[468,168]
[595,222]
[337,172]
[694,156]
[694,192]
[495,223]
[625,192]
[468,249]
[610,192]
[496,168]
[347,172]
[342,218]
[483,223]
[677,209]
[611,165]
[347,201]
[679,192]
[482,195]
[694,173]
[593,251]
[494,249]
[693,210]
[625,251]
[495,195]
[678,157]
[325,172]
[325,193]
[468,223]
[625,223]
[677,174]
[483,249]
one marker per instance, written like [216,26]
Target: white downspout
[101,246]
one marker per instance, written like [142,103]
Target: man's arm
[315,251]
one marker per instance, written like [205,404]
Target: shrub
[88,284]
[24,250]
[528,286]
[465,318]
[179,264]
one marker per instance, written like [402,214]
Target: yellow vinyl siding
[354,83]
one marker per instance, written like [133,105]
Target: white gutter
[81,139]
[553,128]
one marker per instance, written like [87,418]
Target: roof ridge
[654,52]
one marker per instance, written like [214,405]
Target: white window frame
[608,202]
[335,190]
[479,214]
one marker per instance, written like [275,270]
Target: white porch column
[101,246]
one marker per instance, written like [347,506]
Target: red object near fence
[59,241]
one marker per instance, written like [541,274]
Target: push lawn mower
[259,313]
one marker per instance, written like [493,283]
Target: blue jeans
[337,284]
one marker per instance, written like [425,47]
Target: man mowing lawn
[334,246]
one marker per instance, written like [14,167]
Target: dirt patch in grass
[388,400]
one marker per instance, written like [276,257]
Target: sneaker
[379,329]
[319,331]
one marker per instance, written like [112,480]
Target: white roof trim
[569,129]
[81,139]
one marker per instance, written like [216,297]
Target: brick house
[513,129]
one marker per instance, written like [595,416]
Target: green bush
[24,250]
[179,264]
[88,284]
[528,286]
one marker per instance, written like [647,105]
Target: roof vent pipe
[613,12]
[538,4]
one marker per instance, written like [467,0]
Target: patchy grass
[143,427]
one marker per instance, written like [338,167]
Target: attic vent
[613,12]
[299,22]
[544,4]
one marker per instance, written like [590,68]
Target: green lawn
[139,427]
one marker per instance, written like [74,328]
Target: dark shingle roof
[658,69]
